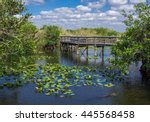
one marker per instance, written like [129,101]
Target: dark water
[132,91]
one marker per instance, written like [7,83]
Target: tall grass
[90,32]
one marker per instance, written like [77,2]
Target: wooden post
[77,50]
[67,47]
[78,59]
[102,54]
[74,48]
[95,51]
[87,51]
[70,48]
[87,59]
[61,47]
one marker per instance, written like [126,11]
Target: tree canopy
[9,21]
[134,46]
[51,34]
[15,30]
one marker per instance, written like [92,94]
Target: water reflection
[9,96]
[131,91]
[70,58]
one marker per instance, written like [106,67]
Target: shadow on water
[130,91]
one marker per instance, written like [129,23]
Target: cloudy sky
[72,14]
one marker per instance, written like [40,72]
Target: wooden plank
[89,40]
[90,37]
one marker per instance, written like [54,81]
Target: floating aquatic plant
[55,79]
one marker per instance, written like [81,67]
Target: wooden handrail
[88,39]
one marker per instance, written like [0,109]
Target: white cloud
[117,2]
[75,20]
[38,1]
[18,16]
[117,23]
[127,7]
[108,18]
[113,13]
[46,12]
[96,4]
[101,14]
[83,8]
[37,17]
[64,10]
[73,15]
[82,16]
[27,2]
[87,19]
[87,15]
[137,1]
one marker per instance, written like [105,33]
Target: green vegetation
[20,40]
[13,30]
[48,37]
[90,32]
[17,37]
[135,44]
[51,36]
[54,79]
[27,43]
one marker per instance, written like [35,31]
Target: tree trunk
[50,47]
[145,71]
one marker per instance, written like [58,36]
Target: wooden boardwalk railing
[72,43]
[88,40]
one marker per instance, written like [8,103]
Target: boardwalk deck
[72,43]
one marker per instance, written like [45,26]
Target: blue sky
[72,14]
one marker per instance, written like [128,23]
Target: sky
[73,14]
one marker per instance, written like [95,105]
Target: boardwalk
[73,43]
[88,40]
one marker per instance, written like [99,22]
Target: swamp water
[91,89]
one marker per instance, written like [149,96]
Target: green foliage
[135,43]
[48,36]
[16,34]
[51,79]
[40,40]
[51,35]
[17,37]
[23,44]
[90,32]
[105,32]
[9,23]
[27,35]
